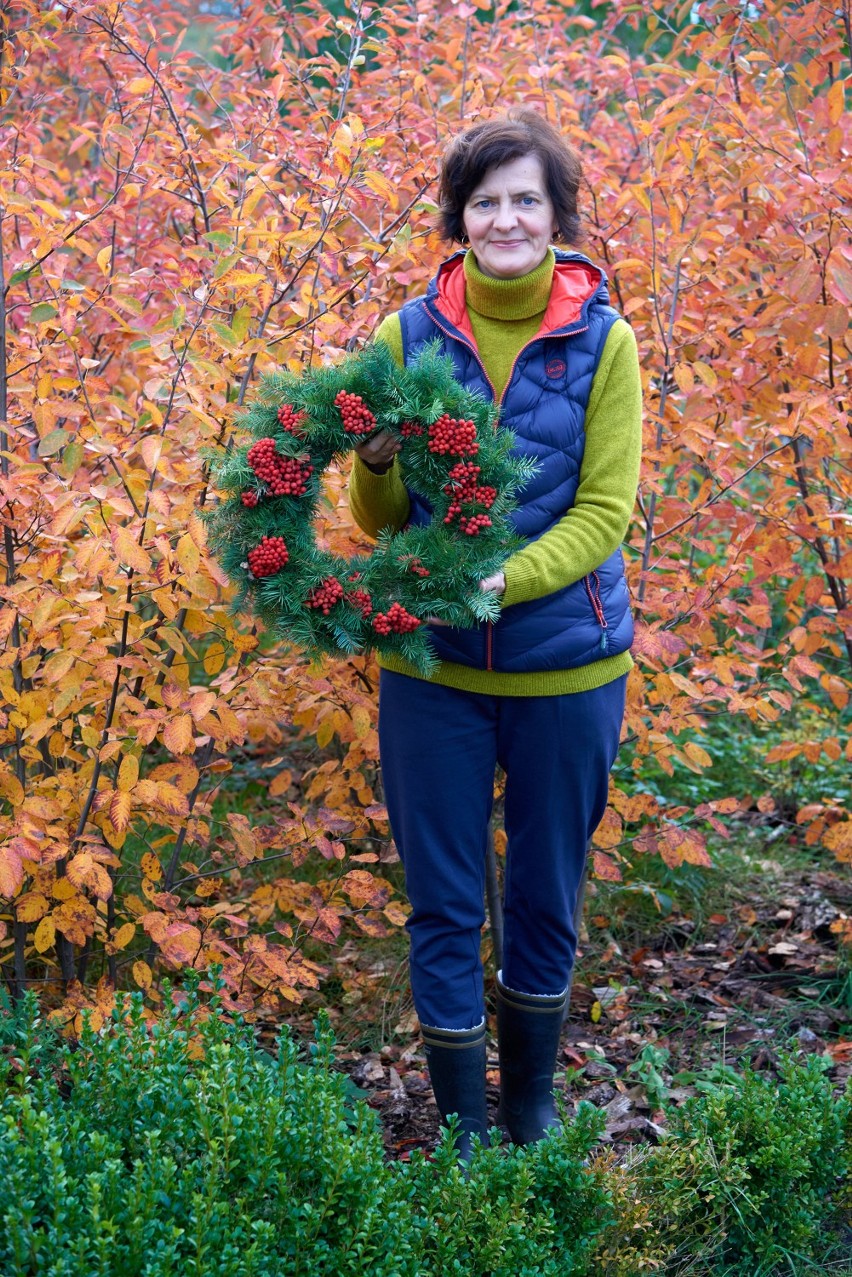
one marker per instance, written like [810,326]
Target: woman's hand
[495,582]
[378,452]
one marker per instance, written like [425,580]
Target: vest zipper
[593,589]
[459,336]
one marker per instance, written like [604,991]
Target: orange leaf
[178,735]
[129,551]
[119,810]
[11,871]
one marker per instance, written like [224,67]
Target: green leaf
[18,276]
[222,239]
[42,311]
[72,459]
[223,266]
[53,442]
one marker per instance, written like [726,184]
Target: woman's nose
[505,215]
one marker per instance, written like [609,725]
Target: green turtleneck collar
[504,299]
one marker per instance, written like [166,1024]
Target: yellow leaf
[706,373]
[128,773]
[124,935]
[11,788]
[325,733]
[684,378]
[697,754]
[141,84]
[58,665]
[361,721]
[45,935]
[596,1012]
[129,552]
[142,974]
[151,866]
[187,554]
[178,736]
[103,258]
[31,907]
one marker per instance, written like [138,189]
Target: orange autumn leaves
[178,789]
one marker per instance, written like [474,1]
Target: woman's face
[509,219]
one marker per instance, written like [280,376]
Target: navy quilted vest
[544,405]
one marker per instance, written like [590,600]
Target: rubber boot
[528,1032]
[456,1060]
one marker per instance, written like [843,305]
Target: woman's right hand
[378,452]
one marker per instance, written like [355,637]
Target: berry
[416,567]
[409,428]
[324,597]
[269,557]
[361,600]
[395,621]
[290,420]
[283,476]
[250,498]
[357,418]
[471,524]
[451,437]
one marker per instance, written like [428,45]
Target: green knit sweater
[505,314]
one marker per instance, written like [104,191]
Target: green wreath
[452,453]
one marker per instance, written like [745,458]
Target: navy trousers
[439,751]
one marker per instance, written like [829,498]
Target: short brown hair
[520,132]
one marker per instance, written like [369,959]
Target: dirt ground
[764,975]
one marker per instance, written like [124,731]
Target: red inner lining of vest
[573,283]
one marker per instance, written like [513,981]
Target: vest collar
[576,280]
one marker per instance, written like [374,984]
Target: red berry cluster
[361,600]
[471,524]
[417,568]
[357,418]
[250,498]
[395,621]
[284,476]
[409,428]
[452,437]
[465,490]
[324,597]
[269,557]
[290,420]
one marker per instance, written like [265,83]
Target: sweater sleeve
[380,501]
[596,524]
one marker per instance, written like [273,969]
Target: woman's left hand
[495,582]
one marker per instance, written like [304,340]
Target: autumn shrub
[750,1172]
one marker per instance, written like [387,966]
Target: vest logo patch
[555,367]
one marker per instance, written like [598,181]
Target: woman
[540,692]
